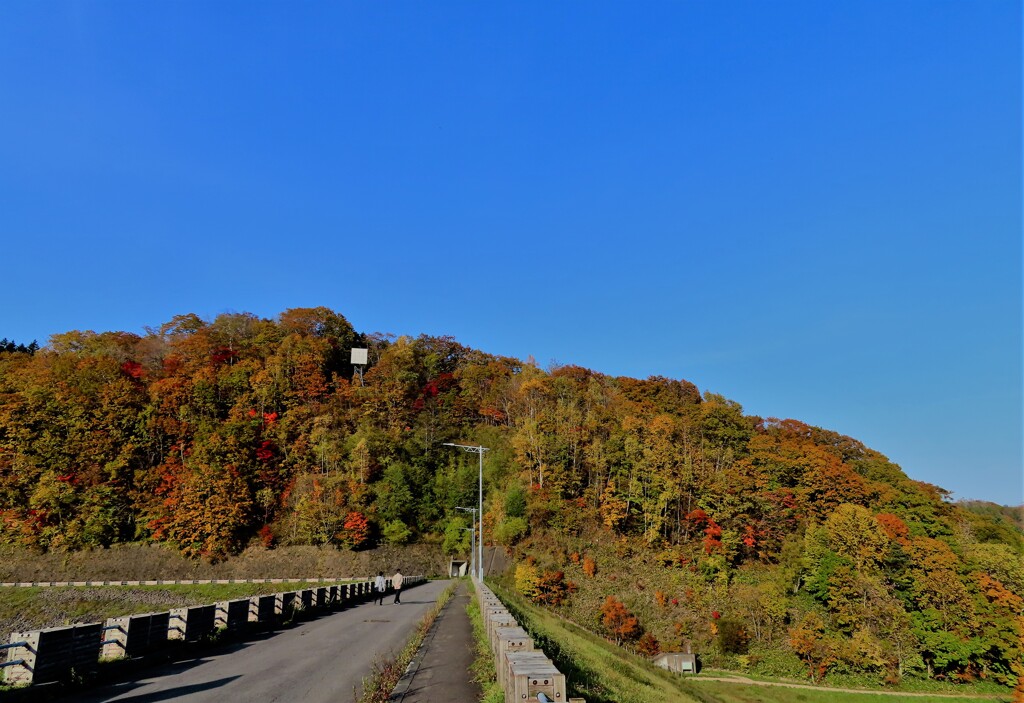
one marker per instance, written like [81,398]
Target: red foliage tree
[552,588]
[648,645]
[356,530]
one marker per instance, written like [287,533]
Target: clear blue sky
[813,208]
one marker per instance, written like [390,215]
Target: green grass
[595,669]
[738,693]
[600,672]
[483,667]
[940,689]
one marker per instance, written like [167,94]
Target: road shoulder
[440,669]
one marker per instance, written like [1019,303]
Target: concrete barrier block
[192,623]
[509,640]
[21,672]
[51,654]
[134,635]
[530,673]
[263,609]
[288,604]
[115,638]
[231,614]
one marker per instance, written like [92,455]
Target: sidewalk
[440,671]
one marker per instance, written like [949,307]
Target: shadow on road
[171,693]
[412,602]
[125,675]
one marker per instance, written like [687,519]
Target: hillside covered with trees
[764,539]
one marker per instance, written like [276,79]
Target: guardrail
[54,654]
[524,673]
[171,582]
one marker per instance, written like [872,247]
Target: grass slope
[600,672]
[722,692]
[596,669]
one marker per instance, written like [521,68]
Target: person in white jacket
[380,585]
[396,583]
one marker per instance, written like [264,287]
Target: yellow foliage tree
[527,578]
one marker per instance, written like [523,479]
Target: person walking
[380,585]
[396,583]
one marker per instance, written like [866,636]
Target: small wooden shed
[679,662]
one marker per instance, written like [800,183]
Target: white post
[480,517]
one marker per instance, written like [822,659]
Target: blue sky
[812,208]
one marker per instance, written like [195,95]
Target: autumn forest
[761,539]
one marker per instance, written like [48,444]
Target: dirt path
[751,682]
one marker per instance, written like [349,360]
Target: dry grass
[132,562]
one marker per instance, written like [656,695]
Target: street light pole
[480,502]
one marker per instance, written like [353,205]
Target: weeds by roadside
[483,670]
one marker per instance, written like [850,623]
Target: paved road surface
[318,660]
[441,669]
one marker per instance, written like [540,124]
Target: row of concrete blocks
[525,673]
[42,656]
[166,582]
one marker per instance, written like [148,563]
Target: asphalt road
[318,660]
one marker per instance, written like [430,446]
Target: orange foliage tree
[621,624]
[815,649]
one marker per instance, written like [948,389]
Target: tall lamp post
[472,535]
[480,503]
